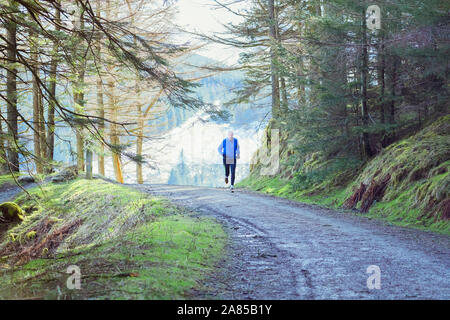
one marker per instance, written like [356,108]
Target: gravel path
[281,249]
[8,192]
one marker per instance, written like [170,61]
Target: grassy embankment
[417,193]
[128,245]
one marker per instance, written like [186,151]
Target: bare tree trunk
[382,84]
[282,79]
[88,164]
[52,89]
[79,102]
[79,134]
[139,147]
[273,60]
[141,121]
[36,121]
[114,133]
[42,135]
[38,108]
[141,130]
[3,156]
[101,113]
[300,87]
[100,102]
[11,93]
[391,108]
[364,106]
[115,141]
[284,99]
[341,76]
[393,93]
[299,71]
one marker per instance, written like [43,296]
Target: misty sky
[204,16]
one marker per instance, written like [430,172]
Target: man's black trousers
[230,165]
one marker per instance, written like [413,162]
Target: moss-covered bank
[128,245]
[409,180]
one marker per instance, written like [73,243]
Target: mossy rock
[11,212]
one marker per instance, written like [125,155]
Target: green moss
[11,211]
[419,182]
[129,246]
[283,188]
[170,256]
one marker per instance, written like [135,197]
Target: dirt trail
[281,249]
[9,192]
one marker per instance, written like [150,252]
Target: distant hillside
[216,89]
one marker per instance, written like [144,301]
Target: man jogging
[229,149]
